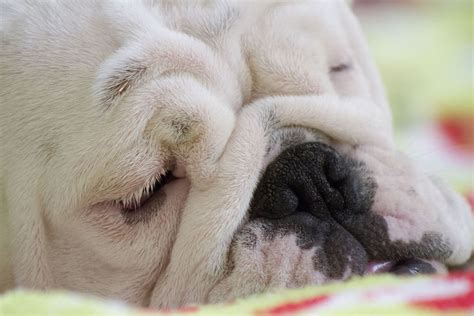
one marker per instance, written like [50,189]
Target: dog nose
[309,177]
[325,199]
[297,195]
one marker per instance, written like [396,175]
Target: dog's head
[207,152]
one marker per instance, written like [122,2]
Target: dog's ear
[364,58]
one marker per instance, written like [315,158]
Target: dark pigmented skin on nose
[337,249]
[313,178]
[298,180]
[325,199]
[298,193]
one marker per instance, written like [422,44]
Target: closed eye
[139,198]
[341,67]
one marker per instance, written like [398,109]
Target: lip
[404,267]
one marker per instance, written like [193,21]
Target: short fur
[98,99]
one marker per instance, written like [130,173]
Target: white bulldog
[167,153]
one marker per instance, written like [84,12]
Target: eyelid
[341,67]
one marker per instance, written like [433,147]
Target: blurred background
[425,52]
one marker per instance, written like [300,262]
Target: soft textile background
[424,50]
[375,295]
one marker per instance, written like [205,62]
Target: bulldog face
[175,153]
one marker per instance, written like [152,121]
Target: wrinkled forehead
[317,23]
[326,34]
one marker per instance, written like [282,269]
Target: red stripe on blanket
[464,301]
[294,307]
[182,310]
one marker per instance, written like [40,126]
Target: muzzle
[324,199]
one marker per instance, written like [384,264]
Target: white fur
[99,98]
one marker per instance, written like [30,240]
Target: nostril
[303,178]
[352,191]
[275,203]
[336,168]
[358,192]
